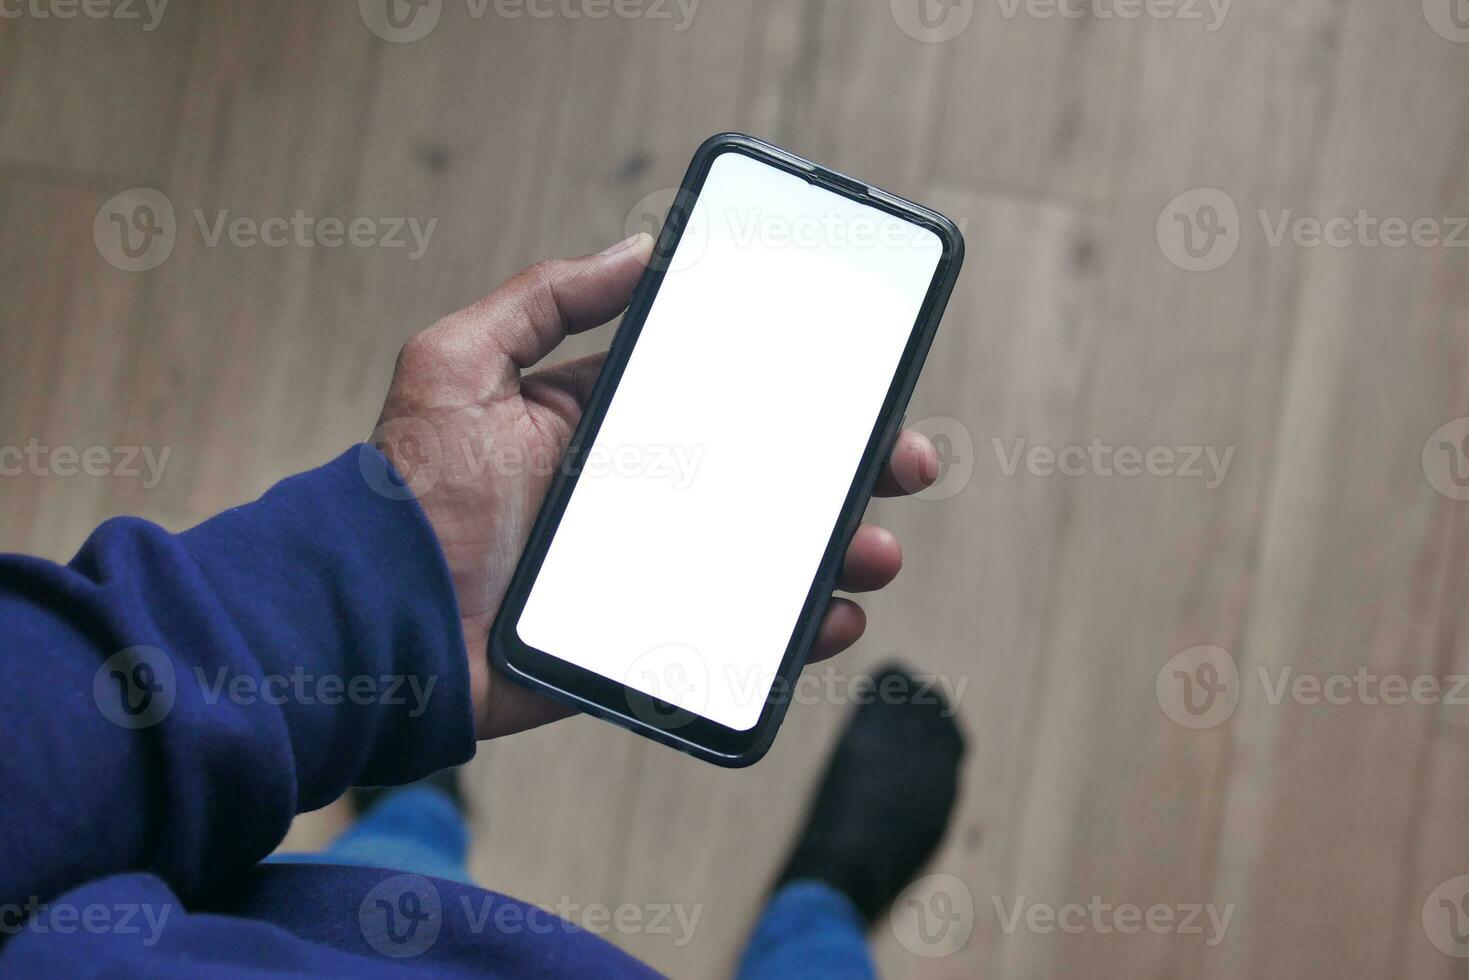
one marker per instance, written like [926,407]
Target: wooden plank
[845,87]
[62,319]
[228,365]
[456,136]
[972,606]
[95,95]
[1120,804]
[638,99]
[1363,560]
[1040,105]
[1425,943]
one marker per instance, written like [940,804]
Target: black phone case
[610,700]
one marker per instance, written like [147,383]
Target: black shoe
[445,780]
[886,797]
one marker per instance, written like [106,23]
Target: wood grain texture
[59,341]
[236,332]
[454,136]
[1009,366]
[1040,105]
[93,95]
[849,90]
[1360,568]
[1049,602]
[1120,803]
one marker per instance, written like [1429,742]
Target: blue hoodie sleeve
[169,702]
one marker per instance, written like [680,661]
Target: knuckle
[417,352]
[545,270]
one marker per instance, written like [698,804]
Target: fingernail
[623,245]
[931,464]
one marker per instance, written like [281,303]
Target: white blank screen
[709,495]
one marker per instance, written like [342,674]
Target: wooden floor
[1056,600]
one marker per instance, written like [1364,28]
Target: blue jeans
[808,929]
[416,829]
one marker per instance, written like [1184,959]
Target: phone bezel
[609,699]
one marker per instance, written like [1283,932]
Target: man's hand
[479,444]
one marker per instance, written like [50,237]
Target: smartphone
[680,565]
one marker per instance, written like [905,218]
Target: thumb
[536,309]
